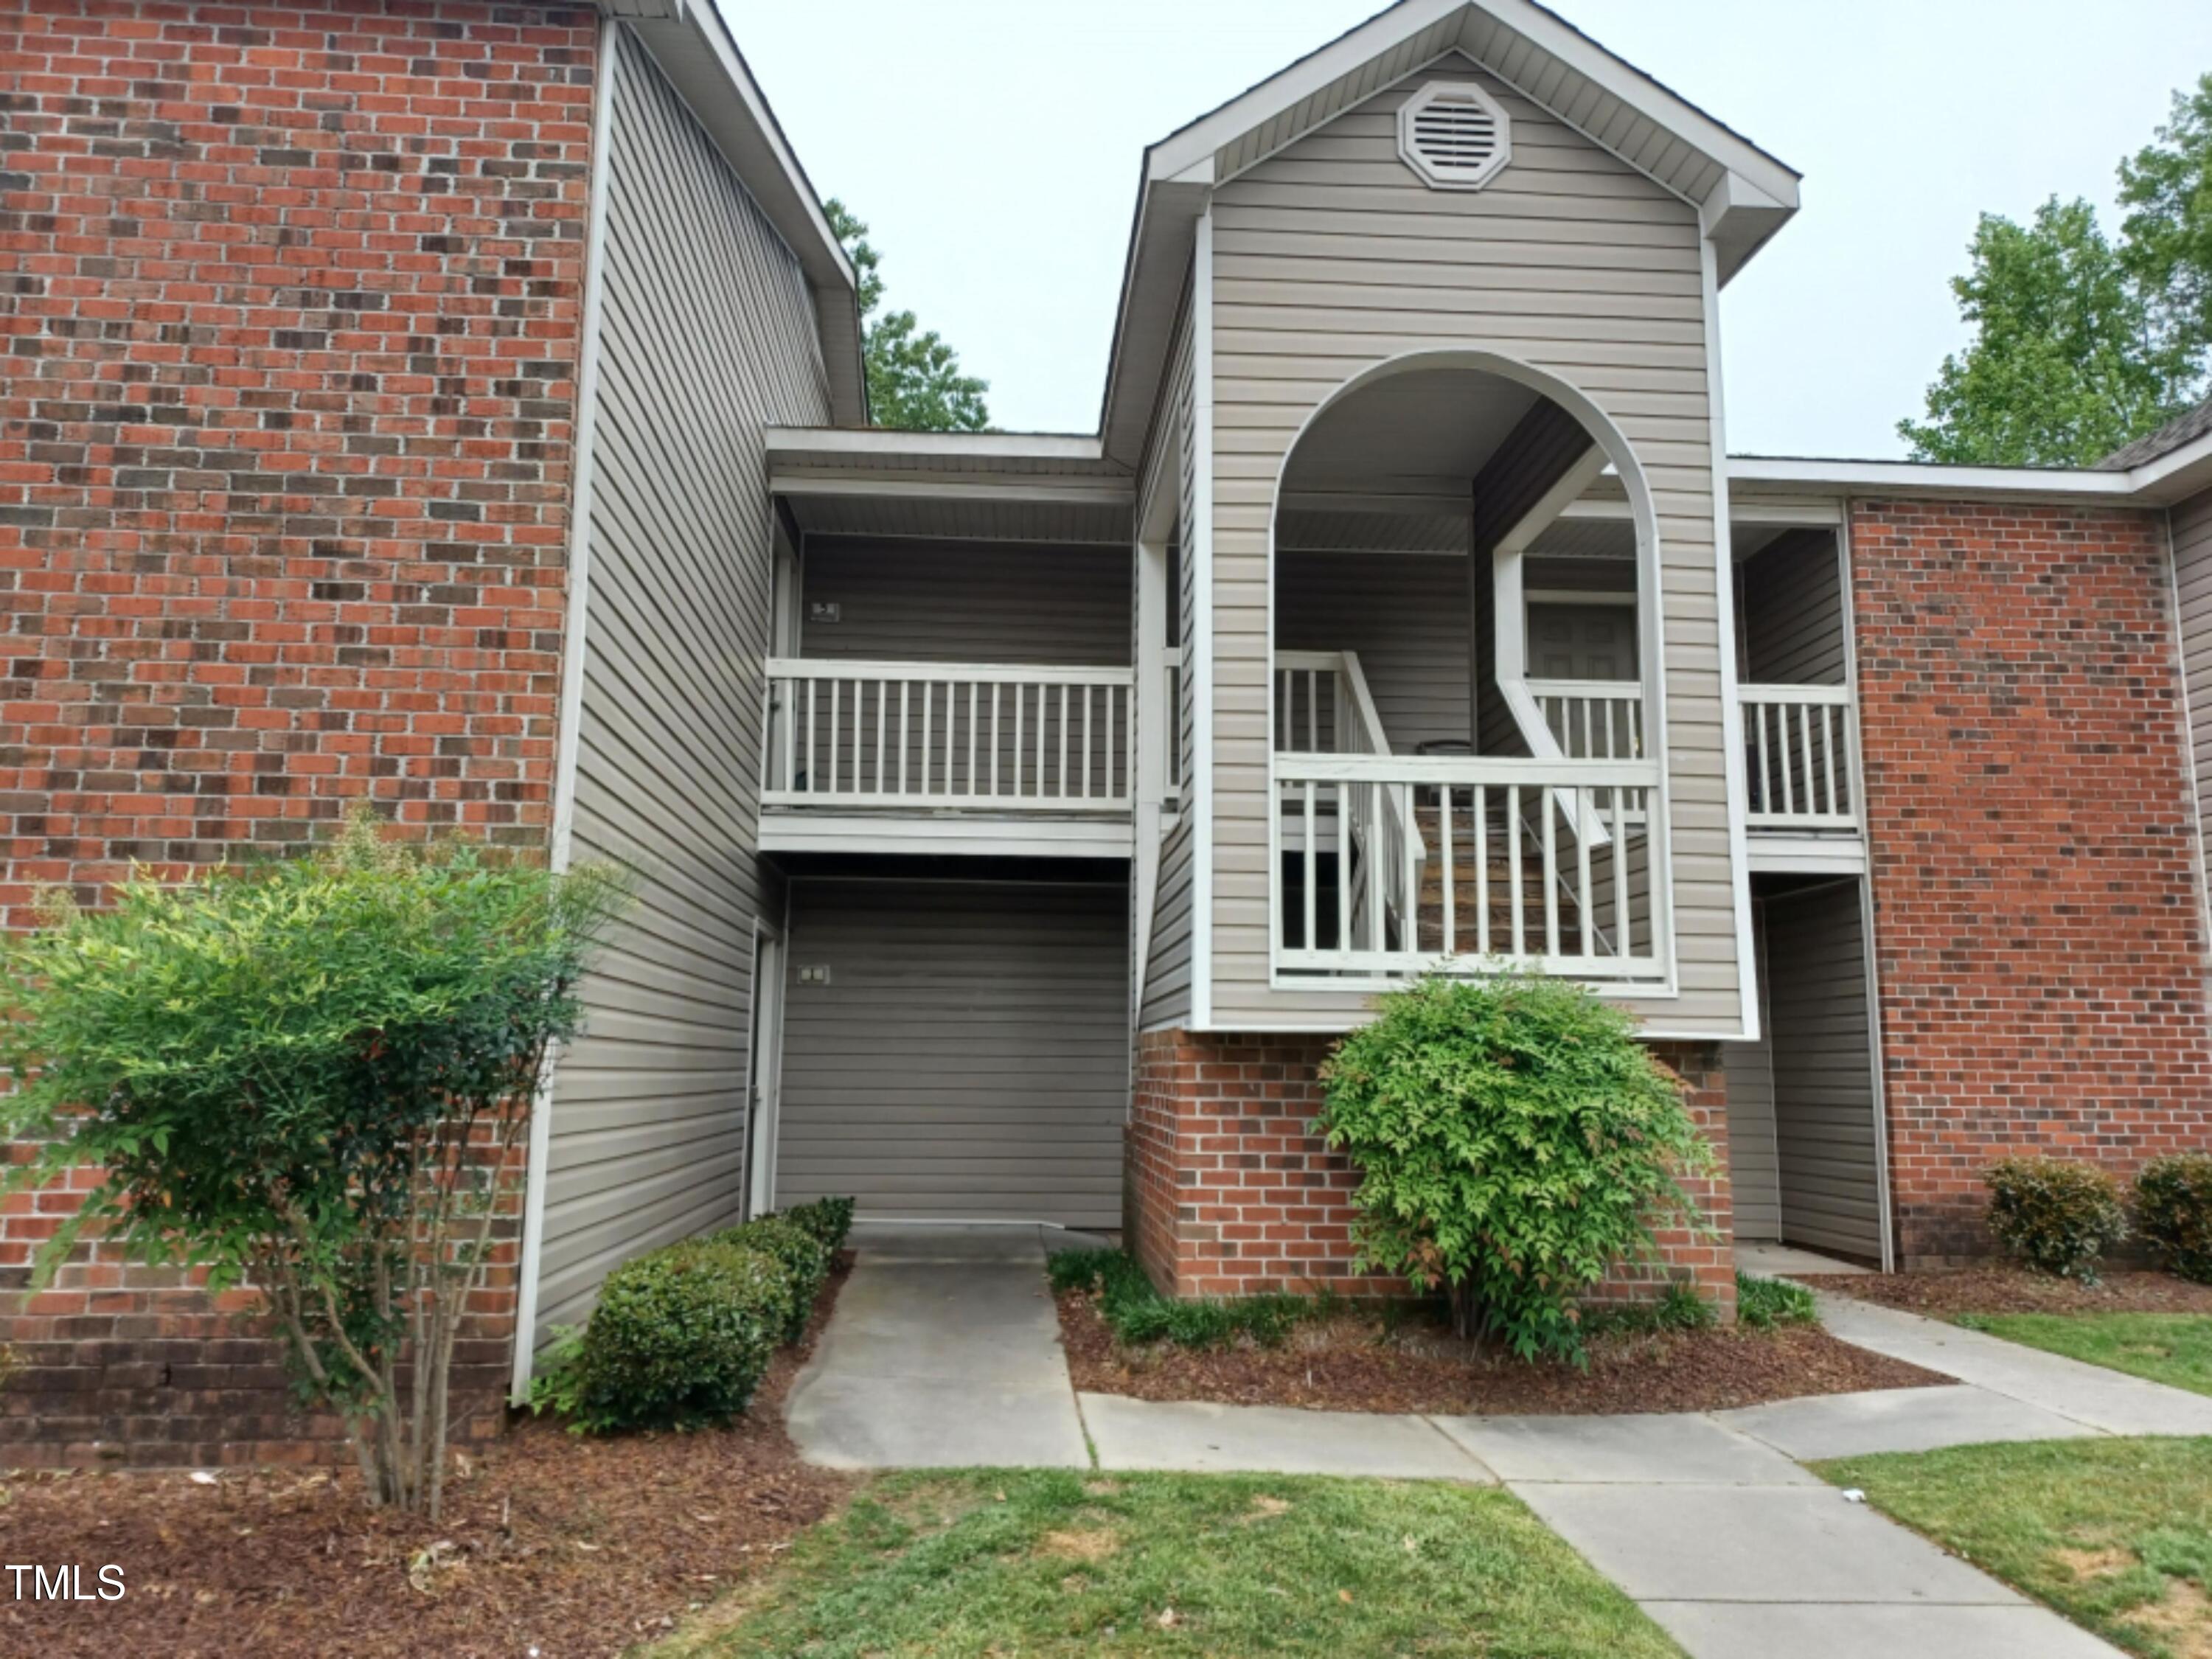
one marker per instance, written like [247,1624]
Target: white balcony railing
[947,735]
[1593,720]
[1798,742]
[1323,707]
[1393,866]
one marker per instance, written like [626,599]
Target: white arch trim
[1618,452]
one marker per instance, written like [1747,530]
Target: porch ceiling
[1040,488]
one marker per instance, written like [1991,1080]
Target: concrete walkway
[944,1353]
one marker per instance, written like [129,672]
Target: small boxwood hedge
[2174,1214]
[2056,1216]
[682,1336]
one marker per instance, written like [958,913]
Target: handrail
[869,668]
[1798,744]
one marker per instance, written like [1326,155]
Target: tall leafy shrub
[1514,1144]
[306,1077]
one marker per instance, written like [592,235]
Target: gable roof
[1743,195]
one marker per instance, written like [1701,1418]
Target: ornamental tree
[306,1077]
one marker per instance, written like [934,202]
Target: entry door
[1582,642]
[763,1065]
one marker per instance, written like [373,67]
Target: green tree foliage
[2064,366]
[2167,236]
[915,381]
[1514,1144]
[2080,345]
[305,1078]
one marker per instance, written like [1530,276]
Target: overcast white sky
[993,148]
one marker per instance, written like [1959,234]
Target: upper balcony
[866,755]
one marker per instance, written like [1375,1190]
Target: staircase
[1493,872]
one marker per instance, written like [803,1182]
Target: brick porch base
[1227,1191]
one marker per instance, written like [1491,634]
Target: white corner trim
[568,733]
[2188,741]
[1198,549]
[1739,785]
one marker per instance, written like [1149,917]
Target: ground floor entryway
[1803,1102]
[955,1050]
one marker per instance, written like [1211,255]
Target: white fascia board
[2179,474]
[1921,478]
[1044,487]
[886,443]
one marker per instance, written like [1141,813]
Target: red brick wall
[2037,916]
[1230,1192]
[295,293]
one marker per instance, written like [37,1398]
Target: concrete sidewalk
[944,1353]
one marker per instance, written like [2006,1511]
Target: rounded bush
[2174,1214]
[1514,1143]
[830,1219]
[682,1336]
[2056,1216]
[802,1256]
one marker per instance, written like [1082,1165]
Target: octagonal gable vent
[1454,135]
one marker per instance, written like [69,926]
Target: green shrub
[2056,1216]
[1678,1308]
[801,1255]
[1766,1304]
[2174,1214]
[1138,1313]
[830,1219]
[679,1337]
[305,1078]
[1514,1143]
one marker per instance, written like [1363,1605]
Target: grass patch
[2116,1534]
[1066,1562]
[2172,1348]
[1138,1313]
[1767,1304]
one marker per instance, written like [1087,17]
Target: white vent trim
[1455,135]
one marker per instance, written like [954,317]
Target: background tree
[2166,237]
[915,381]
[2081,345]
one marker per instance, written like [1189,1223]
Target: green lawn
[2116,1534]
[1067,1563]
[2175,1348]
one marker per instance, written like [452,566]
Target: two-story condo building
[460,405]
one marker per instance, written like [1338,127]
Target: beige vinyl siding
[1792,598]
[1824,1101]
[2191,525]
[1332,257]
[1164,1001]
[940,602]
[708,336]
[968,1058]
[1755,1175]
[1404,614]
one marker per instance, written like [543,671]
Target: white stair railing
[946,735]
[1323,706]
[1798,741]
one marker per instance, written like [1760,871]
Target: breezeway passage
[944,1353]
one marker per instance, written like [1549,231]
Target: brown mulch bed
[1350,1364]
[551,1544]
[2002,1290]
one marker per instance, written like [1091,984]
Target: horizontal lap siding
[1404,614]
[1332,257]
[968,1058]
[2191,523]
[1165,999]
[1793,611]
[708,335]
[943,602]
[1824,1110]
